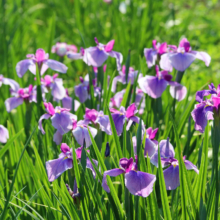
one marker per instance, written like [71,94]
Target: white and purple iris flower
[154,86]
[4,135]
[132,74]
[28,95]
[171,174]
[204,111]
[41,59]
[6,81]
[65,161]
[121,116]
[151,54]
[96,56]
[62,48]
[138,183]
[61,120]
[180,58]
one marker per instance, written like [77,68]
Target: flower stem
[179,76]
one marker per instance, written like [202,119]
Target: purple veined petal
[44,116]
[177,91]
[117,99]
[151,56]
[81,92]
[113,172]
[58,91]
[119,121]
[150,148]
[23,66]
[67,102]
[153,86]
[4,135]
[57,137]
[131,120]
[165,63]
[166,149]
[171,177]
[12,103]
[200,115]
[201,94]
[89,166]
[181,61]
[119,78]
[104,123]
[119,58]
[93,56]
[191,166]
[62,122]
[44,68]
[202,56]
[13,84]
[56,66]
[58,166]
[74,56]
[164,162]
[32,68]
[139,183]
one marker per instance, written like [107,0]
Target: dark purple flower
[151,54]
[138,183]
[41,59]
[21,95]
[65,161]
[62,48]
[182,57]
[4,135]
[154,86]
[107,150]
[171,174]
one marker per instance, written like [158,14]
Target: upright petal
[165,63]
[201,94]
[171,177]
[151,56]
[44,116]
[131,110]
[113,172]
[109,46]
[64,148]
[166,149]
[139,183]
[56,66]
[12,103]
[23,66]
[150,148]
[4,135]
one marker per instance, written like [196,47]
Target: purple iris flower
[4,135]
[182,57]
[6,81]
[171,174]
[61,120]
[138,183]
[151,54]
[21,95]
[96,56]
[67,102]
[121,116]
[204,111]
[154,86]
[116,100]
[55,85]
[41,58]
[132,74]
[62,48]
[65,161]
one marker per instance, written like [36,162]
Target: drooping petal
[139,183]
[12,103]
[58,91]
[171,177]
[81,92]
[153,86]
[150,148]
[119,58]
[177,91]
[57,137]
[119,121]
[90,166]
[56,66]
[104,123]
[74,56]
[44,116]
[13,84]
[151,56]
[4,135]
[113,172]
[181,61]
[56,167]
[191,166]
[23,66]
[116,79]
[67,102]
[203,56]
[201,94]
[165,63]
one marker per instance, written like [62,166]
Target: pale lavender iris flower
[154,86]
[138,183]
[65,161]
[171,174]
[182,57]
[62,48]
[6,81]
[67,102]
[42,60]
[4,135]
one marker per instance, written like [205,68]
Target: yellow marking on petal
[174,165]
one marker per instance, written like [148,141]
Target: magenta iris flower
[151,54]
[182,57]
[65,161]
[62,48]
[204,111]
[4,135]
[121,116]
[6,81]
[21,95]
[41,59]
[171,174]
[138,183]
[154,86]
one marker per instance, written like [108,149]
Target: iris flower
[4,135]
[62,48]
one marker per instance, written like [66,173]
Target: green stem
[179,76]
